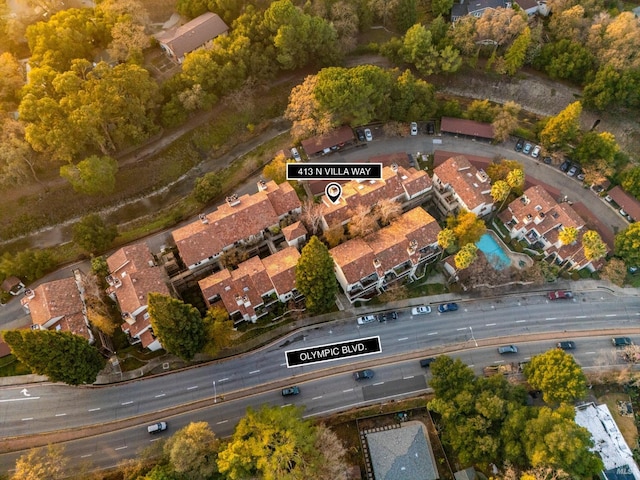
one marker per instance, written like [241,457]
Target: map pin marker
[333,191]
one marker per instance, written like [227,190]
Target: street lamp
[472,337]
[215,394]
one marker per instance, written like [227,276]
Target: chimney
[203,218]
[232,200]
[262,185]
[413,246]
[30,294]
[394,167]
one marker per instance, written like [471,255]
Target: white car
[421,310]
[295,154]
[368,135]
[366,319]
[535,152]
[414,128]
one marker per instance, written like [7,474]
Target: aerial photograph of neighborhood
[319,239]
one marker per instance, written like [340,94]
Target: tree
[273,443]
[447,240]
[515,179]
[631,181]
[276,169]
[506,121]
[61,356]
[192,450]
[557,374]
[450,377]
[364,221]
[334,236]
[500,170]
[566,59]
[218,330]
[315,277]
[387,210]
[500,26]
[615,271]
[553,439]
[441,7]
[593,246]
[406,14]
[516,54]
[500,191]
[627,244]
[562,129]
[128,40]
[309,117]
[93,176]
[597,172]
[98,315]
[383,8]
[345,19]
[466,256]
[594,146]
[569,25]
[467,227]
[17,159]
[47,463]
[92,234]
[11,80]
[412,98]
[177,325]
[568,235]
[612,87]
[29,265]
[207,187]
[481,111]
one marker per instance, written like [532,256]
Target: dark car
[431,128]
[560,295]
[363,375]
[290,391]
[388,316]
[507,349]
[360,134]
[567,345]
[426,362]
[519,145]
[447,307]
[565,165]
[621,341]
[547,160]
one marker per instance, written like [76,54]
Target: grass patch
[131,363]
[426,289]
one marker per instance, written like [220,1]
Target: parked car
[622,212]
[290,391]
[363,375]
[547,160]
[621,341]
[560,295]
[572,171]
[368,135]
[426,362]
[431,128]
[507,349]
[360,134]
[564,166]
[157,427]
[567,345]
[535,152]
[421,310]
[597,188]
[295,154]
[389,316]
[608,198]
[447,307]
[414,128]
[527,148]
[581,176]
[519,145]
[366,319]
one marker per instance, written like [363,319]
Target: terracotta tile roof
[466,127]
[414,181]
[193,34]
[281,269]
[293,231]
[146,338]
[463,178]
[231,223]
[133,266]
[478,161]
[59,298]
[355,259]
[628,203]
[338,136]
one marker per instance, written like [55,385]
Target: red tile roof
[318,143]
[466,127]
[471,185]
[281,269]
[193,34]
[628,203]
[293,231]
[355,259]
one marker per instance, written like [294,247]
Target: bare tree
[334,465]
[388,210]
[311,216]
[363,222]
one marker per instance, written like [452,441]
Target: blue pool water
[494,252]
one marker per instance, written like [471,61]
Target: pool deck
[515,257]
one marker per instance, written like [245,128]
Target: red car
[560,295]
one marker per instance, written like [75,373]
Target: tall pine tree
[315,277]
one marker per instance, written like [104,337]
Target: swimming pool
[493,251]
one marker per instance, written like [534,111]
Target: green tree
[563,128]
[192,451]
[61,356]
[177,325]
[481,111]
[272,443]
[553,439]
[611,87]
[516,54]
[557,374]
[449,377]
[500,170]
[93,176]
[631,181]
[419,50]
[92,234]
[627,244]
[466,256]
[207,187]
[315,277]
[406,14]
[47,463]
[441,7]
[218,329]
[29,265]
[412,98]
[467,227]
[594,146]
[566,59]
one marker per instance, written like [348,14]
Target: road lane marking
[87,455]
[581,316]
[551,318]
[589,353]
[254,371]
[191,388]
[379,383]
[285,405]
[403,339]
[490,325]
[499,361]
[283,364]
[520,321]
[60,414]
[221,422]
[19,399]
[227,378]
[94,409]
[317,398]
[28,418]
[407,378]
[612,315]
[120,448]
[347,391]
[432,333]
[127,403]
[160,395]
[460,329]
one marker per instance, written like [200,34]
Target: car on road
[414,128]
[426,362]
[621,341]
[527,148]
[368,135]
[564,166]
[507,349]
[360,135]
[560,295]
[286,392]
[547,160]
[535,153]
[366,319]
[431,128]
[447,307]
[389,316]
[572,171]
[566,345]
[295,154]
[157,427]
[363,374]
[519,145]
[421,310]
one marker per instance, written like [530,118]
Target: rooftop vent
[262,185]
[203,218]
[482,176]
[376,263]
[394,167]
[232,200]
